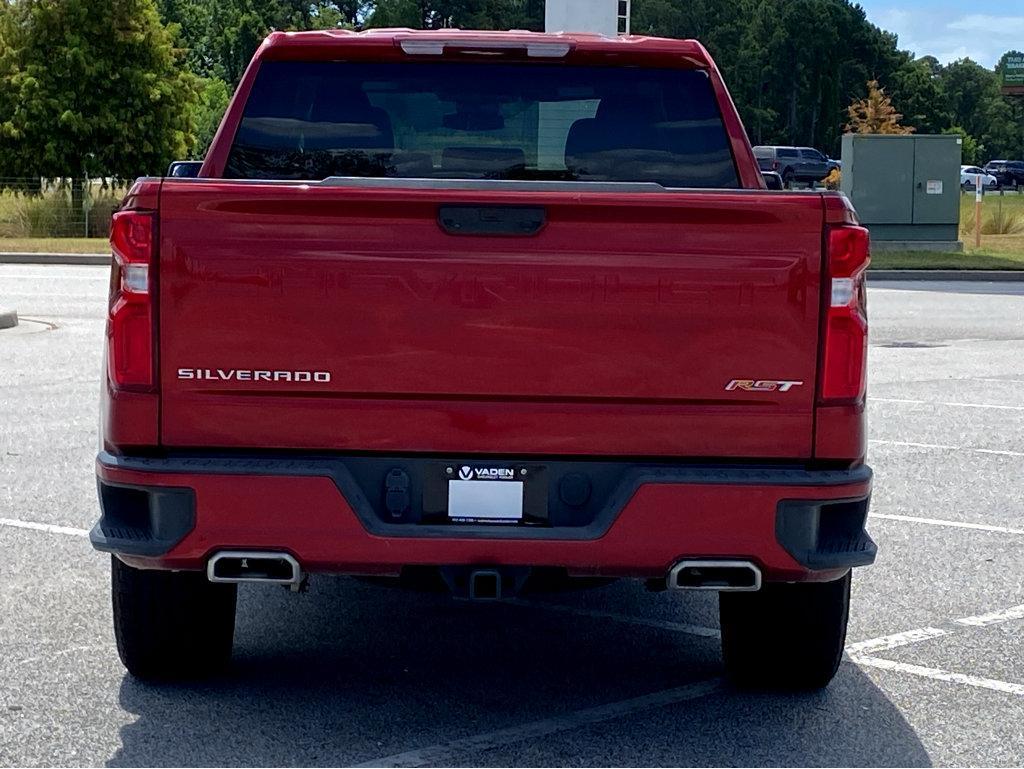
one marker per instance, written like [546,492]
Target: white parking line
[447,754]
[944,522]
[894,641]
[937,674]
[942,447]
[858,656]
[1000,453]
[993,618]
[947,403]
[912,445]
[886,642]
[47,527]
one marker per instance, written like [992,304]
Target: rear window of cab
[450,120]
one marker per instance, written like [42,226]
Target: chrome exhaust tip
[239,566]
[730,576]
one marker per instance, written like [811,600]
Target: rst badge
[762,385]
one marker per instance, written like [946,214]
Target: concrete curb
[973,276]
[32,258]
[8,319]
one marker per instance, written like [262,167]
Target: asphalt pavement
[350,673]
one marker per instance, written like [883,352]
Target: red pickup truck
[491,312]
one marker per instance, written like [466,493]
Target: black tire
[785,636]
[787,178]
[171,625]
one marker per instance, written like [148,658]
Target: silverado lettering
[537,270]
[254,375]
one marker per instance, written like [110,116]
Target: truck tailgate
[614,330]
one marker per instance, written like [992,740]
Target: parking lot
[350,673]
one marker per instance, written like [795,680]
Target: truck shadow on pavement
[353,673]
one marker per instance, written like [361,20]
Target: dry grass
[50,214]
[1000,215]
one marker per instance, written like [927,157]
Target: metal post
[977,210]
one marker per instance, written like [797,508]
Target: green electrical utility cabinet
[905,188]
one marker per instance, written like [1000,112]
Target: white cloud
[960,52]
[894,18]
[1001,26]
[949,34]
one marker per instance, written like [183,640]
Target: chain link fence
[58,208]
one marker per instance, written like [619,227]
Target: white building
[606,17]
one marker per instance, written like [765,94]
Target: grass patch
[55,245]
[1000,214]
[47,212]
[929,260]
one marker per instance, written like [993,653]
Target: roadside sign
[1013,74]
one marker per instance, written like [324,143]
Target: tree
[98,88]
[213,102]
[792,66]
[222,36]
[971,152]
[8,55]
[918,93]
[977,104]
[465,14]
[396,13]
[875,114]
[969,88]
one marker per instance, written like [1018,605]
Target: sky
[952,29]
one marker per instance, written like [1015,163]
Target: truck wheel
[787,636]
[171,625]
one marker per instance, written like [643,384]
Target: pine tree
[875,114]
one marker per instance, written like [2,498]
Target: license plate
[496,493]
[489,500]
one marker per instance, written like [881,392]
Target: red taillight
[844,367]
[130,320]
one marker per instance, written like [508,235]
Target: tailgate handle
[521,221]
